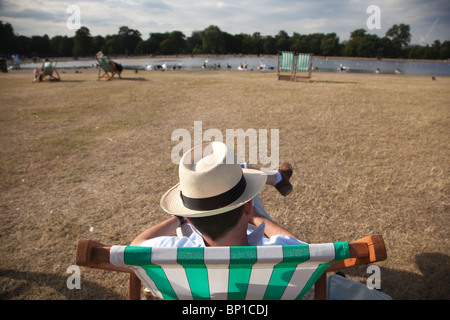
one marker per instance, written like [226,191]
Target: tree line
[212,40]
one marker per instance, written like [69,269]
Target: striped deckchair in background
[303,64]
[286,62]
[49,71]
[106,71]
[233,273]
[290,64]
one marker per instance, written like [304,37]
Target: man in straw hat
[219,199]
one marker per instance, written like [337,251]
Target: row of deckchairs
[290,67]
[106,70]
[233,273]
[294,67]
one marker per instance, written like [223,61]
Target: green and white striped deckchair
[109,71]
[49,71]
[303,64]
[230,273]
[286,63]
[236,273]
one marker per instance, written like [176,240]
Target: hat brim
[171,201]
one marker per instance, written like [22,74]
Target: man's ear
[248,209]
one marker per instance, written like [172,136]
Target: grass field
[82,158]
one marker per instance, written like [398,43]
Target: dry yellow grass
[370,154]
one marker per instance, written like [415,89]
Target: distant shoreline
[210,56]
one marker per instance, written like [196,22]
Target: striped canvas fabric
[233,273]
[287,61]
[48,67]
[303,62]
[105,64]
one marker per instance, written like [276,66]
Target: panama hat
[211,182]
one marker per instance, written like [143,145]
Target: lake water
[269,64]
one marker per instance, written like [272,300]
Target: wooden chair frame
[50,76]
[107,74]
[364,251]
[292,74]
[306,77]
[285,74]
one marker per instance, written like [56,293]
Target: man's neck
[235,237]
[230,240]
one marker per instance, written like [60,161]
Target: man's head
[217,226]
[212,183]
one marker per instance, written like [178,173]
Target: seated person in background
[114,64]
[38,72]
[219,200]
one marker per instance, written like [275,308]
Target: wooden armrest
[363,251]
[94,254]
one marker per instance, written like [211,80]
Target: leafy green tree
[314,41]
[82,45]
[444,53]
[368,46]
[299,43]
[351,46]
[399,34]
[194,42]
[248,44]
[155,40]
[416,52]
[97,43]
[7,38]
[23,45]
[400,37]
[213,40]
[269,45]
[329,45]
[174,43]
[61,46]
[282,41]
[386,49]
[127,40]
[236,42]
[142,47]
[111,45]
[40,45]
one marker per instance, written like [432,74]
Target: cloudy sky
[429,20]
